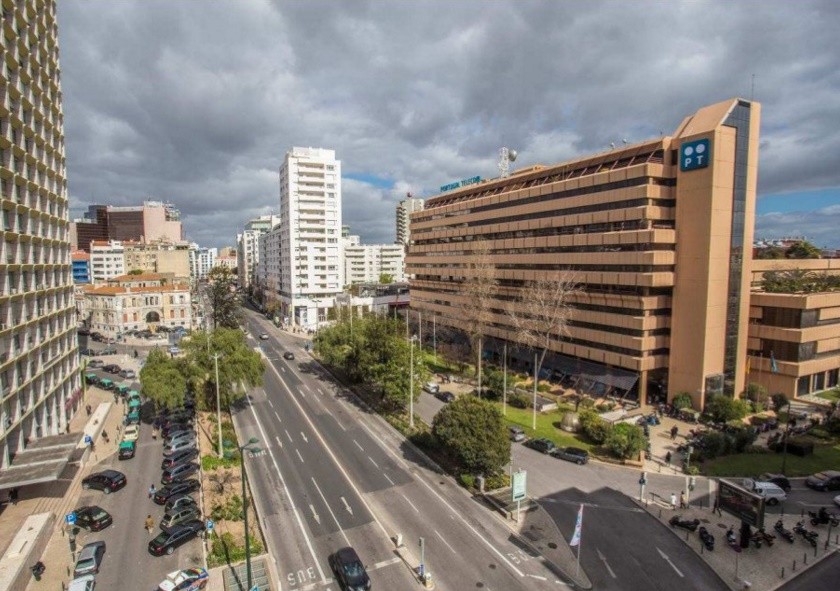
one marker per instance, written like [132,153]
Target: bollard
[804,558]
[660,513]
[783,572]
[794,567]
[815,551]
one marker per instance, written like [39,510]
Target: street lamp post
[242,450]
[218,403]
[411,384]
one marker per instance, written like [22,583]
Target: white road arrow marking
[304,437]
[347,505]
[604,560]
[668,560]
[280,443]
[315,515]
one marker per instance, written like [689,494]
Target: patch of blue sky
[370,179]
[798,201]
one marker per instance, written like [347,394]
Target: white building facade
[311,269]
[404,210]
[269,267]
[366,263]
[107,260]
[202,259]
[247,247]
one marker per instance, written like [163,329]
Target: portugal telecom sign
[694,155]
[462,183]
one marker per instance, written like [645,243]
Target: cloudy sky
[195,102]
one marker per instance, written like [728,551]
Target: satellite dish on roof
[512,155]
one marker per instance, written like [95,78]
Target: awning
[42,461]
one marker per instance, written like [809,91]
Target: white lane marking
[289,436]
[538,577]
[289,496]
[359,446]
[280,443]
[385,563]
[606,564]
[283,369]
[270,403]
[388,478]
[299,456]
[442,539]
[279,420]
[668,560]
[347,505]
[304,437]
[305,385]
[331,454]
[314,514]
[410,503]
[323,498]
[374,463]
[321,392]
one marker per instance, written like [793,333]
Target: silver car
[90,558]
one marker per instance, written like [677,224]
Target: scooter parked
[732,539]
[807,535]
[707,539]
[823,517]
[689,524]
[785,533]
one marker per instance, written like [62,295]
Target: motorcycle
[732,539]
[689,524]
[807,535]
[823,517]
[769,539]
[785,533]
[707,539]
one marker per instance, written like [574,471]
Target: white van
[431,387]
[772,493]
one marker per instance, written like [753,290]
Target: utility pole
[218,403]
[411,385]
[504,381]
[434,336]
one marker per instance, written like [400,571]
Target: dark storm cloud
[196,102]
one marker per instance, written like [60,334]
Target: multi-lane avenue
[331,474]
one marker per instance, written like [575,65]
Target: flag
[749,366]
[773,365]
[578,525]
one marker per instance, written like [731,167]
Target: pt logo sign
[694,155]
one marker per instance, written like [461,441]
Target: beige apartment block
[159,257]
[654,234]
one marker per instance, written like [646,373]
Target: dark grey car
[571,454]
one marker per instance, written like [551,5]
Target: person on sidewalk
[152,491]
[668,458]
[673,501]
[150,523]
[13,496]
[683,500]
[674,431]
[87,409]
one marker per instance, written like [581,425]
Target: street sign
[255,588]
[70,518]
[210,525]
[518,487]
[88,439]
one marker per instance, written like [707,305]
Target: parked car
[85,583]
[107,481]
[190,579]
[289,356]
[106,383]
[166,541]
[516,434]
[109,351]
[541,444]
[825,480]
[176,488]
[174,350]
[173,428]
[773,495]
[112,368]
[83,331]
[349,570]
[174,435]
[837,500]
[128,374]
[179,472]
[179,445]
[87,352]
[127,450]
[571,454]
[91,379]
[779,480]
[90,559]
[181,457]
[179,501]
[93,518]
[131,433]
[132,417]
[180,515]
[263,337]
[431,387]
[95,363]
[445,396]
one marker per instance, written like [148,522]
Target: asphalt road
[819,576]
[127,563]
[333,474]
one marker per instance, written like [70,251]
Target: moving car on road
[191,579]
[107,481]
[90,558]
[93,518]
[176,488]
[166,541]
[571,454]
[349,570]
[288,355]
[541,444]
[263,337]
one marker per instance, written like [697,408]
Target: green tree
[779,401]
[240,367]
[386,278]
[224,302]
[494,382]
[756,393]
[162,380]
[625,441]
[802,250]
[594,427]
[473,432]
[681,400]
[724,409]
[135,272]
[771,252]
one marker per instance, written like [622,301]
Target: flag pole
[580,542]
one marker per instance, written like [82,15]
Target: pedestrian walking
[716,508]
[674,501]
[150,523]
[683,500]
[674,431]
[87,409]
[135,353]
[152,491]
[668,458]
[13,496]
[105,435]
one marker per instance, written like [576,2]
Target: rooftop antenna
[624,141]
[612,145]
[506,156]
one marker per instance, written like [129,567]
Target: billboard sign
[458,184]
[694,155]
[741,503]
[518,487]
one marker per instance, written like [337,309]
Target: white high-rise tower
[311,270]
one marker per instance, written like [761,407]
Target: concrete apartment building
[202,259]
[159,257]
[404,210]
[227,258]
[81,266]
[269,265]
[657,235]
[135,302]
[39,361]
[365,263]
[153,221]
[247,247]
[312,273]
[107,260]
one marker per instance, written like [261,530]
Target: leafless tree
[540,317]
[478,289]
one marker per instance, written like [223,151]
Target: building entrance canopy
[42,461]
